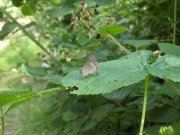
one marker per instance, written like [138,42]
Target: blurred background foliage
[68,30]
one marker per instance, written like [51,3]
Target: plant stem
[25,31]
[118,44]
[174,28]
[144,105]
[2,121]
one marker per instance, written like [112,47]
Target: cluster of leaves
[144,18]
[117,91]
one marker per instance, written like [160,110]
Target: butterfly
[90,67]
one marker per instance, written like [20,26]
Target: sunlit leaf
[112,75]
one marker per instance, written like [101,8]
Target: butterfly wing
[90,67]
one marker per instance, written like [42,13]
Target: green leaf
[11,99]
[113,30]
[139,43]
[163,114]
[166,67]
[169,48]
[7,28]
[35,72]
[113,75]
[12,96]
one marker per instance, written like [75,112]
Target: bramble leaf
[113,75]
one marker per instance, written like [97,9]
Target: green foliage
[72,32]
[128,71]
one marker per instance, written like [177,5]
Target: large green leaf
[139,43]
[167,67]
[10,99]
[112,75]
[7,97]
[169,48]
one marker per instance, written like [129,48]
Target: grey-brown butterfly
[90,67]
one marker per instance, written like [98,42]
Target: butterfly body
[90,67]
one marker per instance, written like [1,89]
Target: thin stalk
[144,105]
[24,31]
[175,18]
[2,121]
[118,44]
